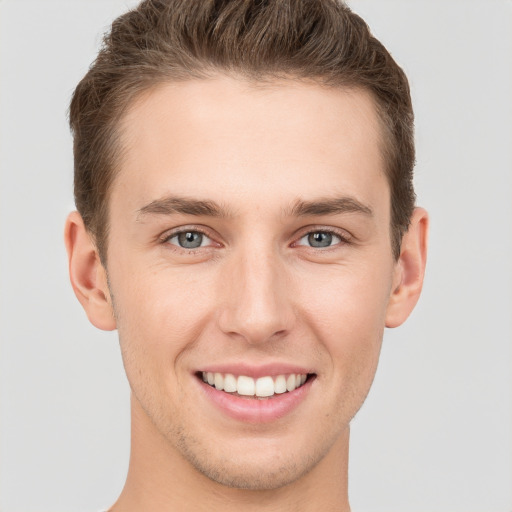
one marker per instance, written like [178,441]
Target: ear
[87,274]
[409,270]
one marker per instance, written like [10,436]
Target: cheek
[160,299]
[159,318]
[346,308]
[343,296]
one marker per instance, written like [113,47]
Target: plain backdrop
[435,434]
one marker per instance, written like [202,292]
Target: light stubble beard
[237,474]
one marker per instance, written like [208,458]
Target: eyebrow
[300,208]
[186,206]
[329,206]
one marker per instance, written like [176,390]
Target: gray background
[435,434]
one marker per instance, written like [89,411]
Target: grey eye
[189,239]
[320,239]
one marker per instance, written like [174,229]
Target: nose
[257,297]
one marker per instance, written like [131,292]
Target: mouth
[256,394]
[262,388]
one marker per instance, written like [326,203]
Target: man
[246,221]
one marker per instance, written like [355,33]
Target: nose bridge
[257,303]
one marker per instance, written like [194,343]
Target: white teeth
[280,384]
[247,386]
[290,382]
[265,386]
[219,381]
[230,383]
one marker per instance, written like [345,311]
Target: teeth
[265,386]
[290,382]
[280,384]
[230,383]
[247,386]
[219,381]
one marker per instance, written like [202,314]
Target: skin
[255,292]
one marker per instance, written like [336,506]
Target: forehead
[228,140]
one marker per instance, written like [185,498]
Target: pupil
[320,239]
[190,240]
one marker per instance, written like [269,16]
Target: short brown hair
[173,40]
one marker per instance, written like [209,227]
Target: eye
[189,239]
[320,239]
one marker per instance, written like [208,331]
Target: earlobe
[409,270]
[87,274]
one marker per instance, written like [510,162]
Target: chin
[254,469]
[253,476]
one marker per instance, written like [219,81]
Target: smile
[256,394]
[262,387]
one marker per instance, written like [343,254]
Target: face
[249,247]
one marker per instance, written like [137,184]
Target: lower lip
[254,410]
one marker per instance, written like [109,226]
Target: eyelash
[344,239]
[165,239]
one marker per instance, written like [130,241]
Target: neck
[160,479]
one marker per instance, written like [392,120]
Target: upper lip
[255,371]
